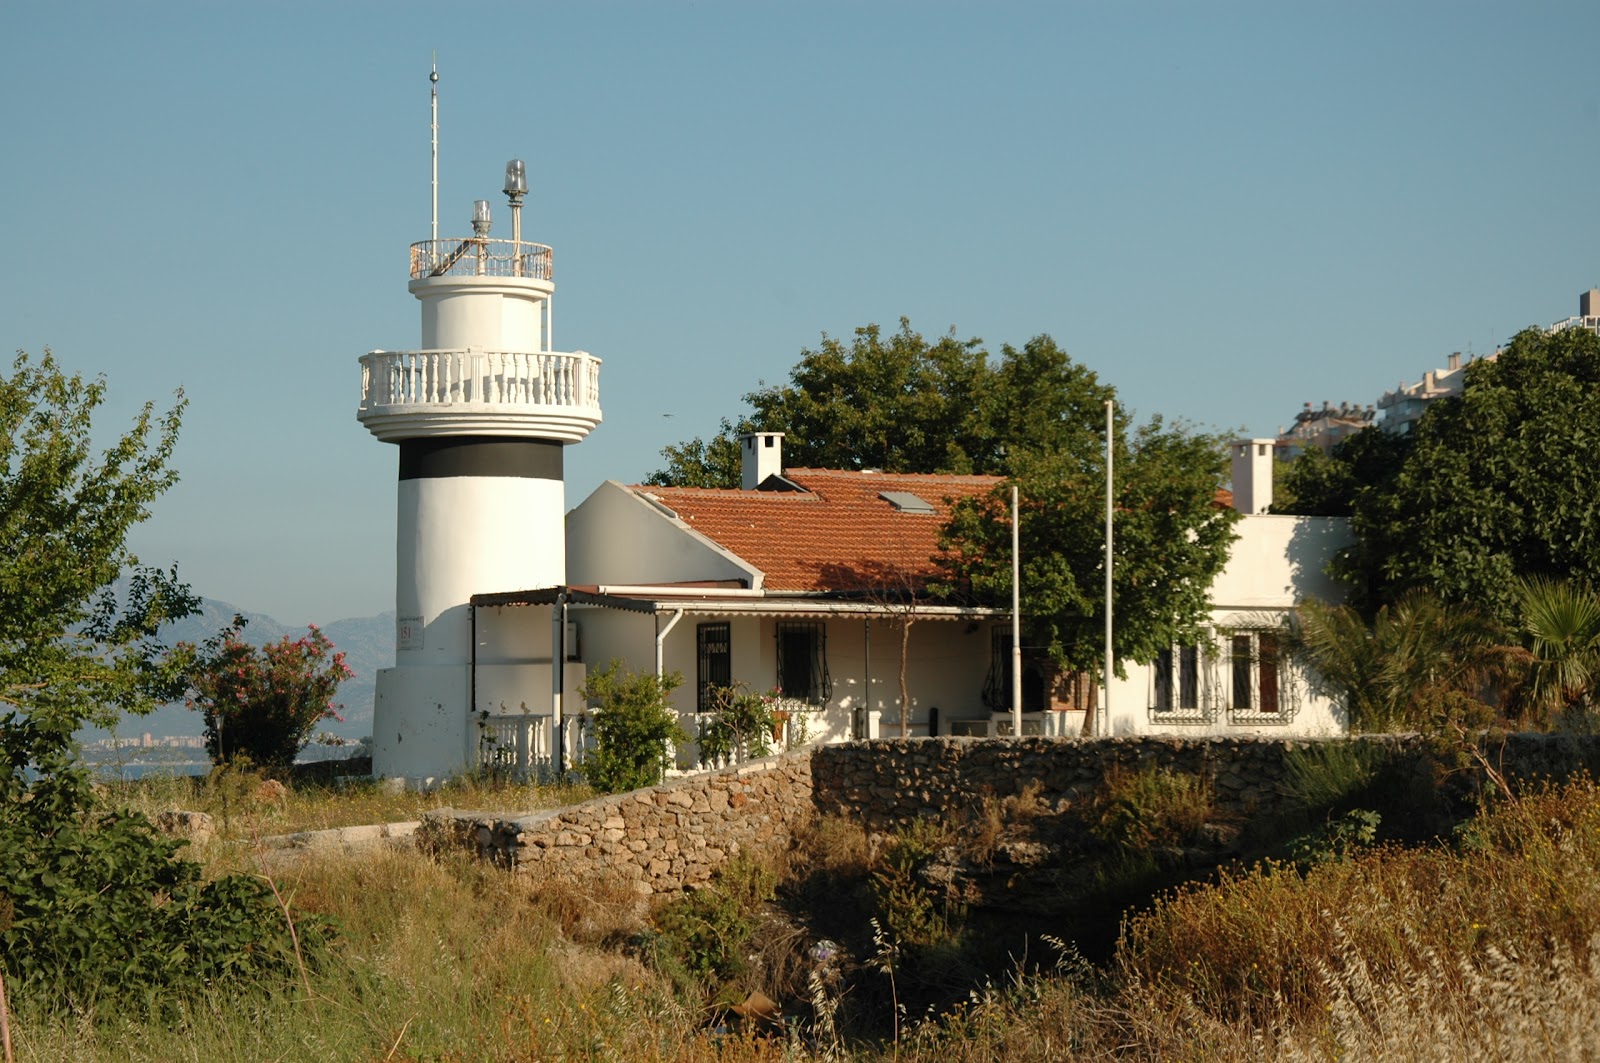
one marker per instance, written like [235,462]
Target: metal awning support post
[558,680]
[472,682]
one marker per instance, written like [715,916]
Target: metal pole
[434,94]
[1105,722]
[1016,619]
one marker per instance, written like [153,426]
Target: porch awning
[735,603]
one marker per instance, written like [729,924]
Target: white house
[1234,679]
[803,581]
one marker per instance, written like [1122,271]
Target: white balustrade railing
[474,256]
[494,378]
[521,743]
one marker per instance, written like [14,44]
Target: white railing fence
[496,378]
[473,256]
[521,744]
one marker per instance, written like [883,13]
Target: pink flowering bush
[263,703]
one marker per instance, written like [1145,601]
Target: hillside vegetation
[1480,943]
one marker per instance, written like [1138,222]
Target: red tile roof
[837,535]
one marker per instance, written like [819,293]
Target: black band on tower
[435,457]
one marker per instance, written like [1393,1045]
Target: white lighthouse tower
[481,414]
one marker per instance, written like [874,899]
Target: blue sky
[1225,209]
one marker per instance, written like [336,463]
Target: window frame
[818,686]
[708,676]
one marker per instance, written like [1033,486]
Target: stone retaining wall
[660,839]
[673,836]
[887,784]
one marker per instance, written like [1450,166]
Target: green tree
[263,703]
[94,904]
[78,627]
[1499,483]
[895,402]
[633,723]
[1316,484]
[714,462]
[1172,538]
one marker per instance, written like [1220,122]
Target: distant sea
[136,770]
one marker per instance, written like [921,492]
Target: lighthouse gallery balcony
[540,395]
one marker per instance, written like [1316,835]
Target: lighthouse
[481,414]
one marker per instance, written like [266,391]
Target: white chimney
[761,456]
[1252,475]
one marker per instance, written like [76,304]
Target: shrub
[1151,808]
[740,726]
[917,916]
[705,937]
[632,725]
[264,703]
[98,907]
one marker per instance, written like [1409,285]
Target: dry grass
[244,806]
[1491,950]
[1253,945]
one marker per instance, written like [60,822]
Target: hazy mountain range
[367,642]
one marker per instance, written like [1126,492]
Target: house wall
[1276,563]
[616,538]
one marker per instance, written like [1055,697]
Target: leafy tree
[94,904]
[895,402]
[1317,484]
[68,640]
[705,463]
[1499,483]
[632,725]
[262,704]
[1171,540]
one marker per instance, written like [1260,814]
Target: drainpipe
[661,638]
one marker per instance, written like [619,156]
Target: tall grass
[1488,948]
[243,805]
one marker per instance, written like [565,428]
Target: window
[1037,678]
[1183,688]
[1177,679]
[1257,691]
[714,664]
[803,662]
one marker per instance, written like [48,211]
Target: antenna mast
[433,91]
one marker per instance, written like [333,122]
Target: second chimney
[761,456]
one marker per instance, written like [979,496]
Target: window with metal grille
[714,667]
[803,661]
[1259,693]
[1038,677]
[1182,688]
[1177,679]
